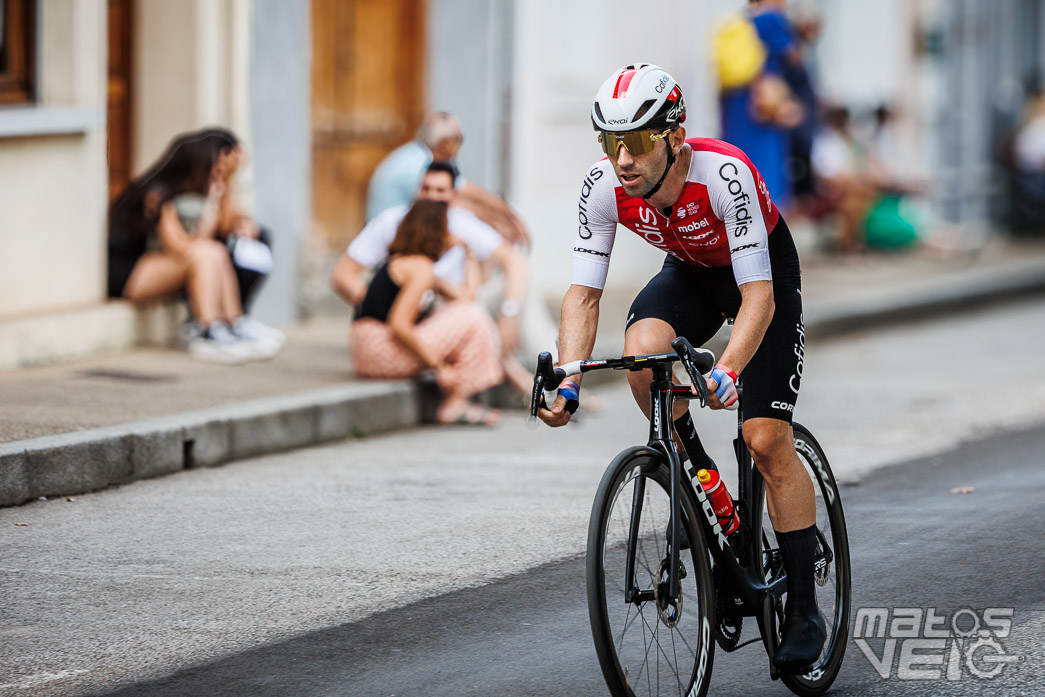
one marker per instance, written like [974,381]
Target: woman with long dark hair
[164,237]
[457,340]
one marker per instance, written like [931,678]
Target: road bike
[664,583]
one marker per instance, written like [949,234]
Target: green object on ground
[890,224]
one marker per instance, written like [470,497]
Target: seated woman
[160,245]
[249,245]
[457,340]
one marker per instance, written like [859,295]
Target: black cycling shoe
[801,640]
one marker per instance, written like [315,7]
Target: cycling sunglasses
[637,142]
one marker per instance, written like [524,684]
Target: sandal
[476,415]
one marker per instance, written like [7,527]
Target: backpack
[737,52]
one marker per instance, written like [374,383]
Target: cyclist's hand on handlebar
[557,415]
[722,389]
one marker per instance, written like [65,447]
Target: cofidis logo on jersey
[582,204]
[730,174]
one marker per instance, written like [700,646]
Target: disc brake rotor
[669,610]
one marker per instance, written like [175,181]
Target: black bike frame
[737,557]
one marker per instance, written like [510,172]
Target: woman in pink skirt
[458,340]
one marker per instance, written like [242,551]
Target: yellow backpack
[737,52]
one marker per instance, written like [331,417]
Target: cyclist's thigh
[677,296]
[774,376]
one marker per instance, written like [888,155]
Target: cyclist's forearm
[756,312]
[580,321]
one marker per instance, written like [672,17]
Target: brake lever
[537,397]
[687,356]
[543,378]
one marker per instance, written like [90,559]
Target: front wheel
[831,569]
[648,643]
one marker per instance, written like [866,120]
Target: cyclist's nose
[624,157]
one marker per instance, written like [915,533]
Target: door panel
[118,107]
[367,99]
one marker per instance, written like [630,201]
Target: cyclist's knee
[770,444]
[648,336]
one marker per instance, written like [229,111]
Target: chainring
[730,625]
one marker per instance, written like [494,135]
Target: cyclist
[729,254]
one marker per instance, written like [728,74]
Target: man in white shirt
[370,249]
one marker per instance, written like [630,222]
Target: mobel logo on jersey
[694,226]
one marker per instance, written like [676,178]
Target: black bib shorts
[696,301]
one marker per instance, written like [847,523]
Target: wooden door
[118,107]
[367,99]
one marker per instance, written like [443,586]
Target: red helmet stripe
[674,94]
[621,88]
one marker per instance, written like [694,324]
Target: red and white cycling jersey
[723,216]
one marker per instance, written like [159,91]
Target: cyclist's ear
[678,139]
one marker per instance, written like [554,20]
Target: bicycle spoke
[676,656]
[654,631]
[691,650]
[645,661]
[626,622]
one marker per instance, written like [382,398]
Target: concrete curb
[826,319]
[82,461]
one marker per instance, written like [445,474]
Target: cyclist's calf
[791,496]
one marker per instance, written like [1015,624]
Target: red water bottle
[721,501]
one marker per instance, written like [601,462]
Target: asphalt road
[387,554]
[914,544]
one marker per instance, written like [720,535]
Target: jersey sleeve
[482,240]
[735,200]
[596,227]
[370,247]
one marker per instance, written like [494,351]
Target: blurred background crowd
[225,151]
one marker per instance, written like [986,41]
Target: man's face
[437,186]
[638,174]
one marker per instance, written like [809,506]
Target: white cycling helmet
[639,96]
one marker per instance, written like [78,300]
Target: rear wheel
[648,643]
[831,570]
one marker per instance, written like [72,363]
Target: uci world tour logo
[913,643]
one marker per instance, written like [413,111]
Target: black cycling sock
[798,549]
[691,442]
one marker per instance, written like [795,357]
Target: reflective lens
[637,142]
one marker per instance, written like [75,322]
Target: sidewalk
[83,426]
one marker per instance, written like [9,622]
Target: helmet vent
[598,113]
[646,106]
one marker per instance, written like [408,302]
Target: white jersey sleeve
[370,247]
[596,227]
[481,239]
[734,199]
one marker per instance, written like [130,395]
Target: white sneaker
[189,331]
[268,339]
[219,345]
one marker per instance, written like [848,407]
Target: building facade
[91,91]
